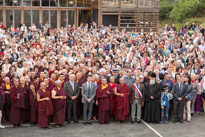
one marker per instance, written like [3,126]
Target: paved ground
[196,128]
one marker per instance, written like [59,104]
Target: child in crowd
[165,98]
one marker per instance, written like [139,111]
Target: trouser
[135,104]
[87,111]
[187,111]
[192,104]
[178,109]
[165,113]
[69,110]
[203,103]
[0,116]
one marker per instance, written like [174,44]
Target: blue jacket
[165,102]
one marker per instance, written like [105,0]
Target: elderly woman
[59,103]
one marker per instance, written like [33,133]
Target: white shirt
[72,84]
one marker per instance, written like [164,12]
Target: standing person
[103,101]
[88,95]
[187,106]
[193,93]
[17,103]
[197,107]
[180,93]
[59,103]
[113,85]
[33,100]
[45,106]
[136,99]
[7,105]
[122,101]
[152,101]
[73,91]
[165,104]
[1,108]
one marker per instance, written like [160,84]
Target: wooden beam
[4,13]
[77,18]
[59,18]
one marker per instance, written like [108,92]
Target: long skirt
[197,107]
[33,114]
[16,116]
[119,115]
[104,116]
[59,117]
[43,121]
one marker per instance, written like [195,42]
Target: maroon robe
[79,110]
[17,104]
[104,103]
[45,109]
[9,75]
[59,106]
[25,113]
[122,103]
[52,84]
[1,81]
[113,99]
[33,104]
[7,102]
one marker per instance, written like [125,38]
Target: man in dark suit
[180,94]
[88,94]
[73,92]
[136,100]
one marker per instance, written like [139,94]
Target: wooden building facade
[130,14]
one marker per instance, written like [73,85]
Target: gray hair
[57,82]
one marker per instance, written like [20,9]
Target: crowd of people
[100,73]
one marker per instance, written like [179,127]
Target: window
[9,18]
[27,18]
[13,2]
[45,2]
[35,2]
[36,16]
[63,3]
[53,18]
[67,18]
[17,18]
[80,3]
[1,2]
[1,16]
[53,3]
[27,2]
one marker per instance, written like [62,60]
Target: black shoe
[106,122]
[132,122]
[175,121]
[139,121]
[85,123]
[68,122]
[181,121]
[76,121]
[89,123]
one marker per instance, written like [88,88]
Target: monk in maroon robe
[45,106]
[25,111]
[59,103]
[17,103]
[2,78]
[103,100]
[113,85]
[80,81]
[122,101]
[52,80]
[33,102]
[48,87]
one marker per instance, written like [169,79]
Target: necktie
[88,90]
[180,89]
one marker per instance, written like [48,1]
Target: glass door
[13,17]
[50,17]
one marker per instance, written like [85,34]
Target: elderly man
[45,106]
[129,80]
[59,103]
[122,101]
[152,101]
[73,91]
[136,99]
